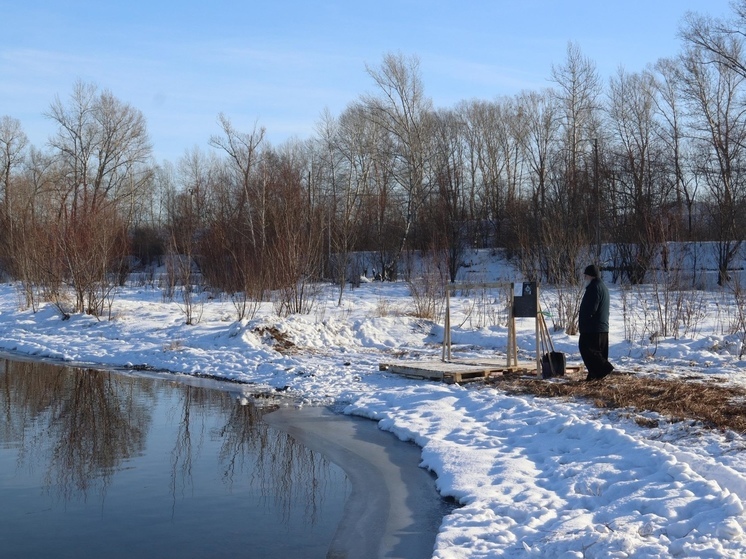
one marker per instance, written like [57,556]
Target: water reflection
[286,473]
[84,436]
[171,452]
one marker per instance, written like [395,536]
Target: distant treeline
[550,176]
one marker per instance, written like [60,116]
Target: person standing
[593,324]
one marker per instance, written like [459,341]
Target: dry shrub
[427,286]
[715,406]
[383,308]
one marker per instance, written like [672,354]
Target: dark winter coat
[593,316]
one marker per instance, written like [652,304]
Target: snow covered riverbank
[536,477]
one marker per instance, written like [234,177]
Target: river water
[102,464]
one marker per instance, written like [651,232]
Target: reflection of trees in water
[181,455]
[24,397]
[300,475]
[287,474]
[84,422]
[98,427]
[80,425]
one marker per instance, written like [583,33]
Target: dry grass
[715,406]
[281,342]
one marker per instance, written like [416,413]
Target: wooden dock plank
[463,370]
[449,372]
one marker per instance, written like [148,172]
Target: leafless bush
[295,298]
[427,297]
[246,287]
[737,322]
[193,303]
[293,258]
[186,277]
[173,278]
[630,314]
[100,171]
[558,259]
[245,304]
[32,259]
[664,308]
[693,312]
[488,306]
[668,304]
[565,318]
[427,285]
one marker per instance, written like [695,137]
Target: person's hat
[592,271]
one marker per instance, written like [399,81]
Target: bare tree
[538,116]
[450,219]
[103,148]
[242,149]
[238,225]
[713,91]
[293,249]
[716,36]
[404,113]
[349,144]
[189,204]
[493,140]
[575,193]
[493,165]
[641,191]
[672,133]
[577,92]
[13,144]
[102,153]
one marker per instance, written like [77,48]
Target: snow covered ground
[535,477]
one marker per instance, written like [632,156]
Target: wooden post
[512,341]
[512,349]
[446,354]
[538,332]
[509,345]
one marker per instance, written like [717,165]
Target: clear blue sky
[281,63]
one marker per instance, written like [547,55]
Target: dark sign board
[525,300]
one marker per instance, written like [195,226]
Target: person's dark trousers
[594,349]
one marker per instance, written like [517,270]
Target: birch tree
[713,90]
[13,145]
[403,111]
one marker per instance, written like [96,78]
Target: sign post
[524,304]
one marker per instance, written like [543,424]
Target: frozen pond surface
[394,510]
[103,464]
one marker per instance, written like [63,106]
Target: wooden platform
[463,370]
[460,371]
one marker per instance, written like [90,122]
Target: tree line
[551,176]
